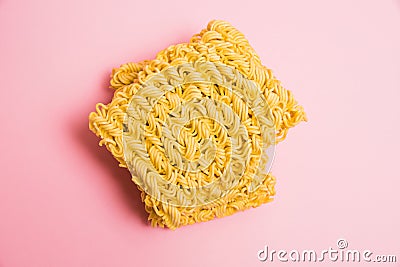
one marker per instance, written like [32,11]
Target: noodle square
[197,127]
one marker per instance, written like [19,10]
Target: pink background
[65,202]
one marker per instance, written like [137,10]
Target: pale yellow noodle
[192,77]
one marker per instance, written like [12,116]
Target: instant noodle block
[197,126]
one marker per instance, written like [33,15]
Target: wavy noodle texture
[194,124]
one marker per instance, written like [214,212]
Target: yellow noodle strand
[183,154]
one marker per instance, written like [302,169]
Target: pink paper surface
[65,202]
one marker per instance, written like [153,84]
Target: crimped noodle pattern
[191,162]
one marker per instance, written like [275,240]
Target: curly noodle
[193,124]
